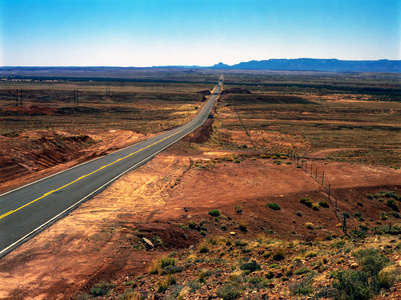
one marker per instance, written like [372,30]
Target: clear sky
[195,32]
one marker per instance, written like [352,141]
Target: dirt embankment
[36,154]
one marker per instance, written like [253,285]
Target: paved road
[27,210]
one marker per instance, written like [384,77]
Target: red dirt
[36,154]
[103,238]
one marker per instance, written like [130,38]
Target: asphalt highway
[27,210]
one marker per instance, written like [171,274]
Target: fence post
[323,179]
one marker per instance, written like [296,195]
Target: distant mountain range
[312,64]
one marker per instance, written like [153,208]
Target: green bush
[166,261]
[171,270]
[383,215]
[307,201]
[324,203]
[388,276]
[229,292]
[302,287]
[396,215]
[392,204]
[192,224]
[273,206]
[278,254]
[354,285]
[238,209]
[302,270]
[214,213]
[371,260]
[259,282]
[101,289]
[251,266]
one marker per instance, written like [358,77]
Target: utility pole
[20,96]
[76,99]
[108,89]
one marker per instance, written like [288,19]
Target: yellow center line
[84,176]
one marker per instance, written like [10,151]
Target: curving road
[27,210]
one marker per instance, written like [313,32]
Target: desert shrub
[192,224]
[396,215]
[388,275]
[269,274]
[101,289]
[229,292]
[358,234]
[158,241]
[267,254]
[302,270]
[242,226]
[250,266]
[273,206]
[203,274]
[311,254]
[258,282]
[166,261]
[238,209]
[130,294]
[363,227]
[387,194]
[166,283]
[298,213]
[354,285]
[370,196]
[371,260]
[392,204]
[337,244]
[203,248]
[315,206]
[359,203]
[194,285]
[383,215]
[307,201]
[240,243]
[324,203]
[302,287]
[171,270]
[214,213]
[358,214]
[309,225]
[278,254]
[161,265]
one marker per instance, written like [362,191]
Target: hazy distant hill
[311,64]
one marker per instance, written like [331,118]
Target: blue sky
[194,32]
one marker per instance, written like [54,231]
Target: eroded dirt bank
[36,154]
[103,238]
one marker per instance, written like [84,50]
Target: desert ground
[288,192]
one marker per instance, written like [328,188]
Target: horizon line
[195,66]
